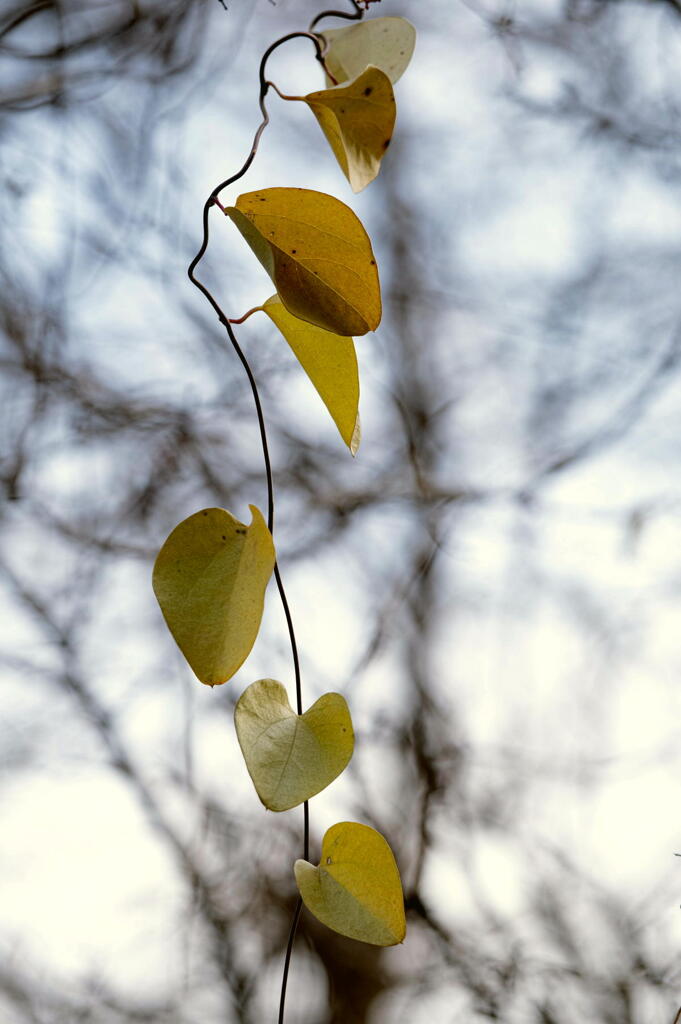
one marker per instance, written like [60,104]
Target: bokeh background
[494,583]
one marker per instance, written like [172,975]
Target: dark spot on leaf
[386,143]
[223,537]
[293,252]
[368,91]
[262,199]
[205,513]
[240,531]
[401,53]
[373,263]
[342,110]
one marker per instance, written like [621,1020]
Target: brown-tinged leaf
[358,120]
[318,254]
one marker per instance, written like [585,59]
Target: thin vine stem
[355,15]
[277,575]
[214,200]
[287,958]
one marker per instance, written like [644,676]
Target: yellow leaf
[318,255]
[387,43]
[330,362]
[356,889]
[358,121]
[209,579]
[291,757]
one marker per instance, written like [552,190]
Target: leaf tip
[356,438]
[261,528]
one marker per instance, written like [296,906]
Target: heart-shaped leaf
[356,890]
[209,579]
[358,121]
[318,255]
[387,43]
[291,757]
[330,362]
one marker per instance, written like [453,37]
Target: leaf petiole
[282,95]
[242,319]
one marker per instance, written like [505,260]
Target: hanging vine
[212,572]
